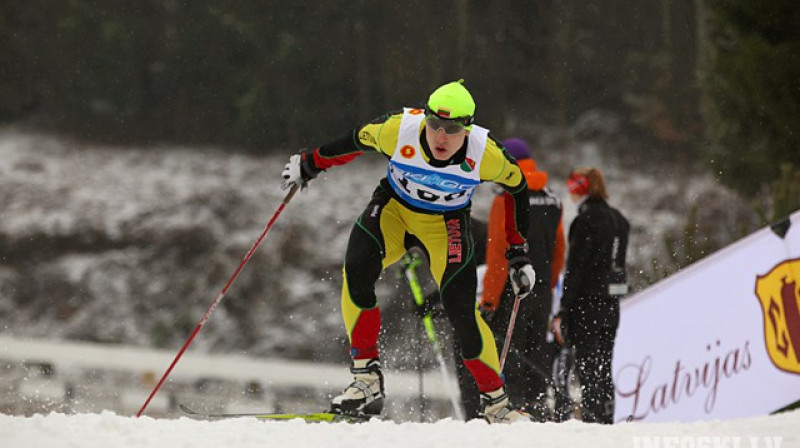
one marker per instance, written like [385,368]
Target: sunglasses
[451,127]
[578,184]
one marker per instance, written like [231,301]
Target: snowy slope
[109,430]
[130,245]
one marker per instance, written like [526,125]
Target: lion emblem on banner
[779,293]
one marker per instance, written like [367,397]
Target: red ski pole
[219,297]
[507,342]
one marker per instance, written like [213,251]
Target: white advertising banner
[718,340]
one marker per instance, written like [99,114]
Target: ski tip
[353,418]
[313,417]
[325,416]
[187,409]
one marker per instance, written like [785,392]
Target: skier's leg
[563,361]
[451,247]
[594,331]
[375,242]
[593,363]
[449,242]
[466,383]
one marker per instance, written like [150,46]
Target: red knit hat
[578,184]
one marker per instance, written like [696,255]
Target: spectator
[529,364]
[594,281]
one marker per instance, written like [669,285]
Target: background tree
[267,75]
[751,86]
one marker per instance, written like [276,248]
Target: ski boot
[495,408]
[365,394]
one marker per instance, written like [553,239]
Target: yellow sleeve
[381,135]
[495,167]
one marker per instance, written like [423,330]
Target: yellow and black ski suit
[429,199]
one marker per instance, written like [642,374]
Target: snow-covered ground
[108,430]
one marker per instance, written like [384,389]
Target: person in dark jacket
[594,281]
[529,364]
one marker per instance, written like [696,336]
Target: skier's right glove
[299,171]
[560,328]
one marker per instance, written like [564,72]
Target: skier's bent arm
[374,136]
[305,166]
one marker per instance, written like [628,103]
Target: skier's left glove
[300,171]
[523,277]
[487,311]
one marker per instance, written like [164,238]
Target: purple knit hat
[517,148]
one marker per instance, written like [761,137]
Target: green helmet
[452,101]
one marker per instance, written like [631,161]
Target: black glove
[560,328]
[487,312]
[299,171]
[522,275]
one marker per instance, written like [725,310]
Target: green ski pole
[410,263]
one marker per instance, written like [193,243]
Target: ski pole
[510,331]
[216,301]
[420,377]
[560,376]
[409,268]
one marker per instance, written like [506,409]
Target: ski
[329,417]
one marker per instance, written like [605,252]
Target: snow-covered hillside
[130,245]
[109,430]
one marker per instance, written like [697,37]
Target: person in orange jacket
[529,363]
